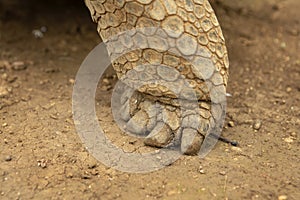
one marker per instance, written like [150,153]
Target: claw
[124,112]
[233,143]
[191,141]
[160,136]
[138,123]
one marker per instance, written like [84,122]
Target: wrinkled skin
[189,43]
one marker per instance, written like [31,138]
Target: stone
[231,124]
[223,173]
[19,65]
[288,89]
[293,134]
[3,92]
[172,192]
[8,158]
[282,197]
[289,139]
[257,124]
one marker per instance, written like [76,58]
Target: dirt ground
[42,157]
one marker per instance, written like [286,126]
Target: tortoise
[173,58]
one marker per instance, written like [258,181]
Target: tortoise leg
[174,45]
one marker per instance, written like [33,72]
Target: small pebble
[3,92]
[8,158]
[288,89]
[282,197]
[37,33]
[201,171]
[4,76]
[106,87]
[294,134]
[52,116]
[42,163]
[223,173]
[283,45]
[231,124]
[86,176]
[4,125]
[289,140]
[257,124]
[11,79]
[106,81]
[71,80]
[52,70]
[69,175]
[294,32]
[237,149]
[92,165]
[171,192]
[19,65]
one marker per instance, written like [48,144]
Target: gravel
[257,124]
[8,158]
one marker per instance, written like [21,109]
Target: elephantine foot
[162,125]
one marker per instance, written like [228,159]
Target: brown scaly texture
[194,33]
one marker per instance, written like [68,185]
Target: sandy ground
[42,157]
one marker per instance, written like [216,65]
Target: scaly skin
[184,27]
